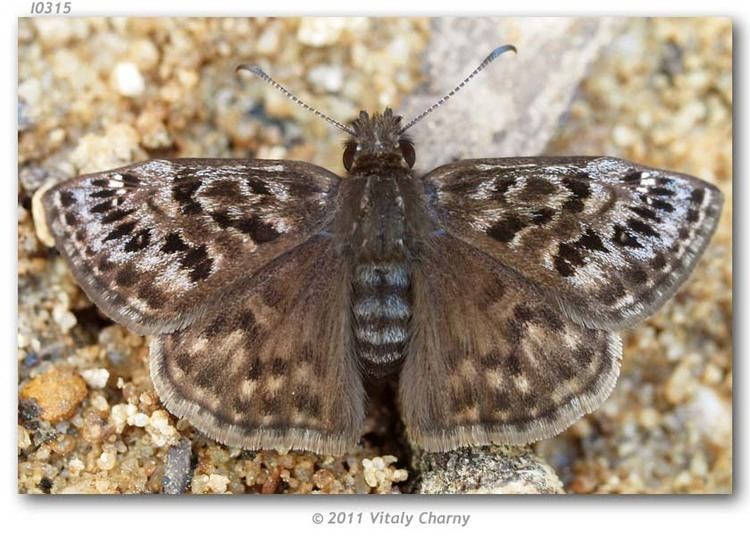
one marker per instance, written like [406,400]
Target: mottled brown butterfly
[276,290]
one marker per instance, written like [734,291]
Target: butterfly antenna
[260,73]
[489,59]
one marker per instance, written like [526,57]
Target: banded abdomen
[381,306]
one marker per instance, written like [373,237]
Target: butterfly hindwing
[276,368]
[607,239]
[490,360]
[155,243]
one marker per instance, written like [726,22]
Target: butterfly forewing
[156,244]
[275,369]
[607,239]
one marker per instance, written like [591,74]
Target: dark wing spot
[223,189]
[222,219]
[636,276]
[692,215]
[659,261]
[105,265]
[580,191]
[126,276]
[579,188]
[591,241]
[568,258]
[584,356]
[153,297]
[257,186]
[645,213]
[632,177]
[104,206]
[130,180]
[209,375]
[100,183]
[255,371]
[542,216]
[191,208]
[641,227]
[658,204]
[306,402]
[622,237]
[550,319]
[198,262]
[117,215]
[536,187]
[697,196]
[66,198]
[573,205]
[462,398]
[121,230]
[139,241]
[523,313]
[71,219]
[502,400]
[270,405]
[279,367]
[258,230]
[183,190]
[662,192]
[513,362]
[174,243]
[104,193]
[505,229]
[502,185]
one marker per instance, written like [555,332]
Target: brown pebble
[271,483]
[57,392]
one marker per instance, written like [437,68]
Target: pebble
[710,415]
[24,439]
[268,42]
[326,78]
[161,431]
[118,146]
[106,461]
[128,79]
[320,31]
[209,484]
[486,470]
[96,378]
[58,393]
[624,136]
[177,468]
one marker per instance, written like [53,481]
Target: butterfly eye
[407,151]
[349,152]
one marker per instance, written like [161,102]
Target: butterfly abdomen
[381,307]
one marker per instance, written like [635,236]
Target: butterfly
[276,291]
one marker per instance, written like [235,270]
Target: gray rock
[513,107]
[486,470]
[178,469]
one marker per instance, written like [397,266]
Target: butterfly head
[379,136]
